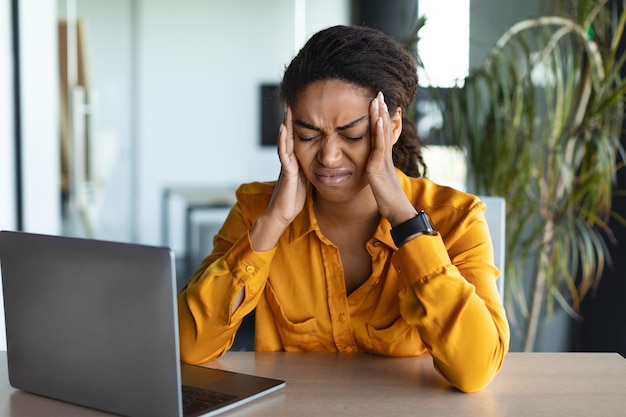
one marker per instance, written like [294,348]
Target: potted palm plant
[540,122]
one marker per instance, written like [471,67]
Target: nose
[329,152]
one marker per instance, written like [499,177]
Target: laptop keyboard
[196,399]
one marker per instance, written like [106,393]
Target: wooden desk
[530,384]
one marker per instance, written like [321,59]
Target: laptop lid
[95,323]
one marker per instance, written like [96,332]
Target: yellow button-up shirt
[435,294]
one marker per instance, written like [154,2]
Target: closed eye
[307,138]
[353,138]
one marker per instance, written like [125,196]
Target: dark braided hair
[368,58]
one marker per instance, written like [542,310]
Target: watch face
[427,226]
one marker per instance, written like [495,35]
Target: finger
[380,128]
[386,118]
[288,122]
[374,117]
[374,111]
[282,135]
[286,151]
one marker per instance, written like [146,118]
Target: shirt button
[377,244]
[250,269]
[342,317]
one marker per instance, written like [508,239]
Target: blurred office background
[115,114]
[167,94]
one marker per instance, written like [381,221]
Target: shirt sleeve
[448,292]
[206,326]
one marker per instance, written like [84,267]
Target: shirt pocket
[294,336]
[399,339]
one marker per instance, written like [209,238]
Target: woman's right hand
[289,195]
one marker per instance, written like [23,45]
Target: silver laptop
[95,323]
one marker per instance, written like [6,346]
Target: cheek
[361,149]
[302,153]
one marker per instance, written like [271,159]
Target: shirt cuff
[245,263]
[420,258]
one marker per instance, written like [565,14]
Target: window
[444,50]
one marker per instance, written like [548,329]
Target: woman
[337,255]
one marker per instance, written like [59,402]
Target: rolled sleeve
[453,302]
[207,325]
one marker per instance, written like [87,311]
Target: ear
[396,124]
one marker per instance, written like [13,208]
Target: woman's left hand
[393,203]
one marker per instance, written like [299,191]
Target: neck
[358,211]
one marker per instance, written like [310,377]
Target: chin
[339,194]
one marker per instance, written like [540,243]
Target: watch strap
[418,224]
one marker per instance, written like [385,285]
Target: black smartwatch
[418,224]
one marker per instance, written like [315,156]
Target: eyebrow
[343,127]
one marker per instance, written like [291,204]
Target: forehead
[332,102]
[332,94]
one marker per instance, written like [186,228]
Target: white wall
[200,67]
[40,116]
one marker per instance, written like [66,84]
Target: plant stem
[536,307]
